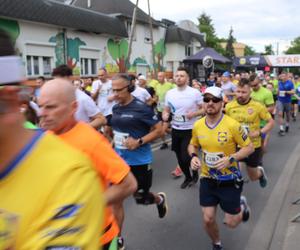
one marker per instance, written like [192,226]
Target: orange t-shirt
[110,167]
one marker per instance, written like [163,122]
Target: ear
[74,106]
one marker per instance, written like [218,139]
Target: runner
[249,114]
[183,105]
[46,186]
[217,136]
[228,87]
[58,105]
[285,91]
[134,126]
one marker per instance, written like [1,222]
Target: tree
[229,51]
[249,51]
[269,50]
[295,46]
[206,26]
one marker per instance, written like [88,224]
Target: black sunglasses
[119,90]
[213,99]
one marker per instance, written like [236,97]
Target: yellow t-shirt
[217,142]
[50,198]
[249,116]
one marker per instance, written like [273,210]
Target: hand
[195,163]
[110,98]
[131,143]
[165,116]
[190,115]
[222,163]
[254,134]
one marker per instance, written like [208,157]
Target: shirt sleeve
[264,114]
[149,117]
[95,86]
[194,141]
[269,98]
[111,167]
[73,216]
[239,135]
[90,106]
[199,98]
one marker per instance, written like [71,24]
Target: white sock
[281,127]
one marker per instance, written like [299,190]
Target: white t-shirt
[141,94]
[103,104]
[86,107]
[182,102]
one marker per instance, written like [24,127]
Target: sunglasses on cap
[207,99]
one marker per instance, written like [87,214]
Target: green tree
[295,47]
[229,51]
[206,26]
[249,51]
[269,50]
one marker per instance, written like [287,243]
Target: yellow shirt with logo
[50,198]
[217,142]
[249,116]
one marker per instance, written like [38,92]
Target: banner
[283,61]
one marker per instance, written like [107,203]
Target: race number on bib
[210,159]
[119,139]
[179,118]
[282,93]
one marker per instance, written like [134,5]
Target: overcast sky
[254,22]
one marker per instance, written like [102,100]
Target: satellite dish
[207,62]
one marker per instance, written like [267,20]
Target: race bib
[179,118]
[282,93]
[246,128]
[8,229]
[119,139]
[104,92]
[210,159]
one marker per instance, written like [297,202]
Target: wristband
[194,155]
[140,140]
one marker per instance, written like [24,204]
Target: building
[89,34]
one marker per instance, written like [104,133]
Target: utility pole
[151,37]
[133,24]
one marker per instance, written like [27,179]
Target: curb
[262,234]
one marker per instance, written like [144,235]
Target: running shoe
[281,132]
[246,210]
[176,173]
[186,183]
[263,180]
[162,207]
[164,146]
[287,129]
[217,247]
[121,245]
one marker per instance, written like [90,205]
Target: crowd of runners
[73,149]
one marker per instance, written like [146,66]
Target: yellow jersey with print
[50,198]
[218,142]
[249,115]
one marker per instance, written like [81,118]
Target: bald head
[161,77]
[58,105]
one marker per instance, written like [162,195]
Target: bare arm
[97,121]
[118,192]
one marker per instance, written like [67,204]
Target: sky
[255,22]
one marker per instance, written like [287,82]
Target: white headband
[11,70]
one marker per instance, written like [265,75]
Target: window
[188,50]
[88,66]
[128,27]
[39,65]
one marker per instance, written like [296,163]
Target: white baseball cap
[214,91]
[142,77]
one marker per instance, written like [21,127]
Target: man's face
[39,82]
[181,78]
[161,77]
[255,84]
[225,79]
[119,88]
[284,77]
[55,112]
[243,94]
[102,76]
[142,83]
[212,105]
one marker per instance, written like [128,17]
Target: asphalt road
[182,227]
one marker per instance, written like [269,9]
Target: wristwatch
[141,142]
[231,159]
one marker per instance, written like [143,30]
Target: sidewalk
[274,231]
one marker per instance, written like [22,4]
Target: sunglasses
[213,99]
[119,90]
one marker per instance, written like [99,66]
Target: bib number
[210,159]
[282,93]
[246,128]
[119,139]
[179,118]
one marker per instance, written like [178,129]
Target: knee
[209,220]
[231,223]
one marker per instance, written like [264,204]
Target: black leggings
[180,141]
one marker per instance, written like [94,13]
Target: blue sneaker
[246,208]
[263,180]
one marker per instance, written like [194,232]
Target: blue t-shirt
[286,86]
[134,120]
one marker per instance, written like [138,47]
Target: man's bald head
[161,77]
[58,105]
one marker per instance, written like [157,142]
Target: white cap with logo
[214,91]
